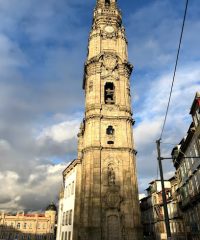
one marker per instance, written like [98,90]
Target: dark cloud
[4,199]
[43,46]
[51,148]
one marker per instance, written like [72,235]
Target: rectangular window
[196,150]
[63,219]
[185,167]
[179,175]
[65,235]
[191,155]
[69,192]
[182,172]
[191,187]
[69,235]
[67,218]
[70,217]
[66,192]
[73,188]
[62,238]
[196,182]
[187,160]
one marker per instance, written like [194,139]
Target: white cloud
[41,187]
[147,131]
[60,132]
[142,195]
[151,116]
[49,88]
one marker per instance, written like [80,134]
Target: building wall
[31,226]
[153,212]
[65,228]
[109,190]
[60,216]
[188,173]
[68,205]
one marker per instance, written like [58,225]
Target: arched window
[107,2]
[18,225]
[110,130]
[109,93]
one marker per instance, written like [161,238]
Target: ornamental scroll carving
[113,199]
[113,35]
[110,61]
[110,66]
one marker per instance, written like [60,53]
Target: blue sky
[43,46]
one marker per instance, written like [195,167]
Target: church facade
[105,201]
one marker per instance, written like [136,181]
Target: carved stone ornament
[113,199]
[110,62]
[107,35]
[109,29]
[109,68]
[111,176]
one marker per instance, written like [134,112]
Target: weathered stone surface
[107,205]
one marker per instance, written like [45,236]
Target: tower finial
[106,2]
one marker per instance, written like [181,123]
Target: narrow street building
[188,173]
[67,198]
[105,203]
[32,226]
[153,212]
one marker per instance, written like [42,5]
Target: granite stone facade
[106,203]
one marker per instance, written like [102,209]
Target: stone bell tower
[107,205]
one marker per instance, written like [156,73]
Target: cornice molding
[94,66]
[100,148]
[103,117]
[108,108]
[71,166]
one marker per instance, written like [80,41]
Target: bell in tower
[107,2]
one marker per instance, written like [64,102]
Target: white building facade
[67,203]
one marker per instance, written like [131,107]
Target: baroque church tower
[106,203]
[109,191]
